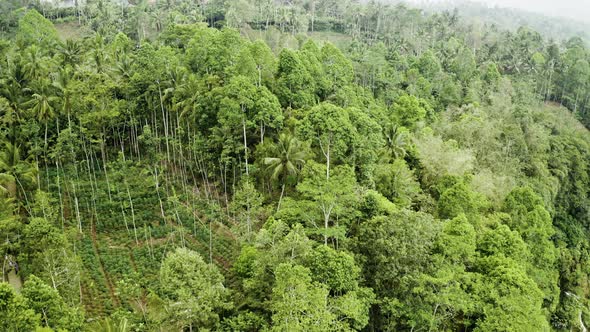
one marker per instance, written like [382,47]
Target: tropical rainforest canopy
[307,165]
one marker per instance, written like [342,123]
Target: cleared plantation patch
[108,246]
[71,30]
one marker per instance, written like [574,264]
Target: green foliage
[34,29]
[529,217]
[332,197]
[395,251]
[375,204]
[366,143]
[336,67]
[397,182]
[291,155]
[330,130]
[498,239]
[506,306]
[245,321]
[463,65]
[193,289]
[336,269]
[292,81]
[46,302]
[407,111]
[457,200]
[246,205]
[458,241]
[298,304]
[211,52]
[15,312]
[418,177]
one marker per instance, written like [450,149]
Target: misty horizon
[573,9]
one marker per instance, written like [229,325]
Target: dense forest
[306,165]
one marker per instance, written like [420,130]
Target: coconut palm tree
[34,63]
[12,85]
[71,52]
[396,142]
[61,82]
[175,84]
[187,97]
[14,169]
[41,103]
[289,157]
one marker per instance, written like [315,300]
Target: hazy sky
[577,9]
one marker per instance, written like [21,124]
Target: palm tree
[14,169]
[12,86]
[108,325]
[61,82]
[176,83]
[187,97]
[70,52]
[41,104]
[33,63]
[396,141]
[290,154]
[124,67]
[98,54]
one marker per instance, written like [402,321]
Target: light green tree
[15,314]
[47,303]
[298,304]
[330,196]
[246,205]
[33,28]
[398,183]
[408,110]
[337,68]
[193,290]
[329,128]
[292,81]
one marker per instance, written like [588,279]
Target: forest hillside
[309,165]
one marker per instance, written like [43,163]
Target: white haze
[573,9]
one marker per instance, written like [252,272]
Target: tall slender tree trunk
[61,203]
[103,154]
[328,163]
[326,226]
[164,119]
[312,15]
[281,197]
[248,221]
[549,83]
[210,244]
[245,144]
[326,152]
[45,147]
[132,212]
[157,184]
